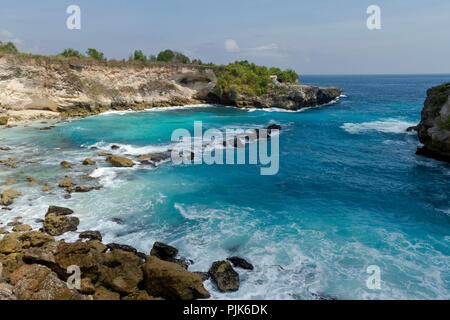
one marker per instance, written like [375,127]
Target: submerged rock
[66,183]
[88,162]
[223,274]
[117,161]
[8,197]
[66,165]
[241,263]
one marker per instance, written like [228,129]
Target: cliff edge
[58,86]
[434,127]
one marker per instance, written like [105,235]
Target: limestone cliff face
[434,127]
[77,87]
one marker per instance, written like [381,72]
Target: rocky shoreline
[49,87]
[35,266]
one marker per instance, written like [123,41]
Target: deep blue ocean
[350,192]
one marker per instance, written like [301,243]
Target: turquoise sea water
[350,193]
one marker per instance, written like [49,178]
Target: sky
[311,37]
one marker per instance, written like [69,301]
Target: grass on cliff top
[240,76]
[440,94]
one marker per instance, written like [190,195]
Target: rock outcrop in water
[80,87]
[434,127]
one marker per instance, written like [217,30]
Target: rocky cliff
[77,87]
[434,127]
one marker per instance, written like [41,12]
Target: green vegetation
[138,56]
[71,53]
[445,124]
[440,94]
[93,53]
[172,56]
[249,78]
[8,47]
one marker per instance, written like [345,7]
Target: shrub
[8,47]
[93,53]
[71,53]
[172,56]
[138,56]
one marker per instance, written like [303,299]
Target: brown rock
[57,221]
[12,181]
[171,281]
[88,162]
[83,189]
[31,181]
[37,282]
[8,196]
[22,228]
[36,238]
[66,183]
[123,272]
[101,293]
[241,263]
[117,161]
[91,235]
[6,292]
[66,165]
[223,274]
[163,251]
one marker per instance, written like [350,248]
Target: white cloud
[231,45]
[268,47]
[7,36]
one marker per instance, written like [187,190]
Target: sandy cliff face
[77,87]
[434,127]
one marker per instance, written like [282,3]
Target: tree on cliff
[138,55]
[71,53]
[172,56]
[8,47]
[93,53]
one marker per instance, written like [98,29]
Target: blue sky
[311,37]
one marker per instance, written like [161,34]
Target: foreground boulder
[37,282]
[117,161]
[434,127]
[163,251]
[223,274]
[57,221]
[171,281]
[8,196]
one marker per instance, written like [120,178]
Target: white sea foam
[386,126]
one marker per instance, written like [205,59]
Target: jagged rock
[8,196]
[434,127]
[223,274]
[117,220]
[36,238]
[140,295]
[46,188]
[163,251]
[66,183]
[101,293]
[91,235]
[115,147]
[66,165]
[5,148]
[10,263]
[241,263]
[204,275]
[3,121]
[31,181]
[3,231]
[6,292]
[9,243]
[44,254]
[123,271]
[88,162]
[124,247]
[37,282]
[160,156]
[12,181]
[97,245]
[117,161]
[83,189]
[22,228]
[171,281]
[57,221]
[86,286]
